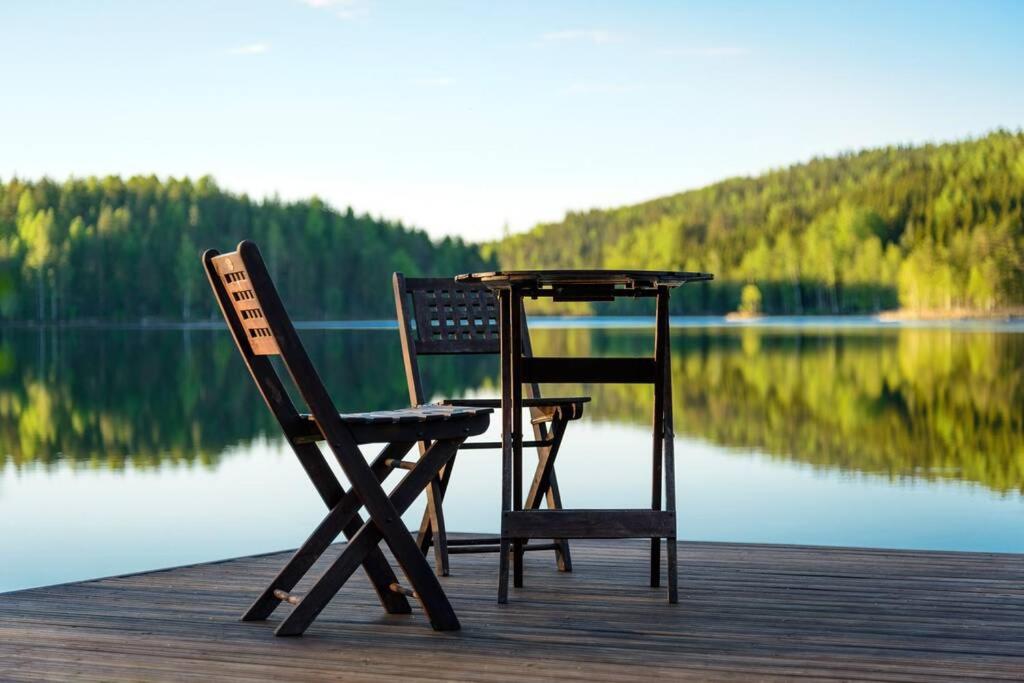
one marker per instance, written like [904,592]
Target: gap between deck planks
[745,611]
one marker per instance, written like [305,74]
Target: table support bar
[589,523]
[589,370]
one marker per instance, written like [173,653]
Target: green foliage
[113,249]
[750,300]
[929,227]
[935,226]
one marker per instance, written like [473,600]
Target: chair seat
[432,421]
[435,412]
[571,407]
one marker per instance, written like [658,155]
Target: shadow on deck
[745,611]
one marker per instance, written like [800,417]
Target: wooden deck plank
[746,611]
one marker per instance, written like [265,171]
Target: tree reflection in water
[903,403]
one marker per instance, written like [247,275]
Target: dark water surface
[128,449]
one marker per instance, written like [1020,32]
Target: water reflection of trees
[923,403]
[104,398]
[926,403]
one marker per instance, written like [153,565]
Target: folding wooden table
[517,524]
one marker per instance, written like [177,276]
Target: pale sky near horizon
[461,117]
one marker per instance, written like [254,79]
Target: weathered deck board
[745,611]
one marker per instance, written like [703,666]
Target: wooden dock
[745,612]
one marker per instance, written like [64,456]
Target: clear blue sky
[461,116]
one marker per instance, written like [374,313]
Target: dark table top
[630,279]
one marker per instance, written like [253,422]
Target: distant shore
[908,314]
[899,315]
[1010,319]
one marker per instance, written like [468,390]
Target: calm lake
[130,449]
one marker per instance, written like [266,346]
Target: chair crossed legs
[261,328]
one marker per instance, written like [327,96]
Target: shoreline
[1010,314]
[1010,319]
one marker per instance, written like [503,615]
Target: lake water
[130,449]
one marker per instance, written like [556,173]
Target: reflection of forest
[926,403]
[106,397]
[929,403]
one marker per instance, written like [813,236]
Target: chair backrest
[232,276]
[439,316]
[261,328]
[450,317]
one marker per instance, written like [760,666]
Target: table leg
[660,337]
[669,455]
[506,440]
[516,347]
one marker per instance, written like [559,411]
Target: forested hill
[113,249]
[935,226]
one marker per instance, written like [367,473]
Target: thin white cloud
[343,9]
[590,35]
[436,82]
[710,52]
[250,49]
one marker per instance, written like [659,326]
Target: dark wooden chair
[262,329]
[438,316]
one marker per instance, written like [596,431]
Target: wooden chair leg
[425,536]
[421,578]
[424,584]
[440,540]
[343,518]
[387,519]
[545,484]
[328,585]
[563,558]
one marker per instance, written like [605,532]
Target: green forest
[936,227]
[932,227]
[128,250]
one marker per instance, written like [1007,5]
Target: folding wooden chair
[453,318]
[261,329]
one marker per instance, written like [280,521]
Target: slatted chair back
[262,328]
[233,277]
[439,316]
[453,318]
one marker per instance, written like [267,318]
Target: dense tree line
[113,249]
[928,227]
